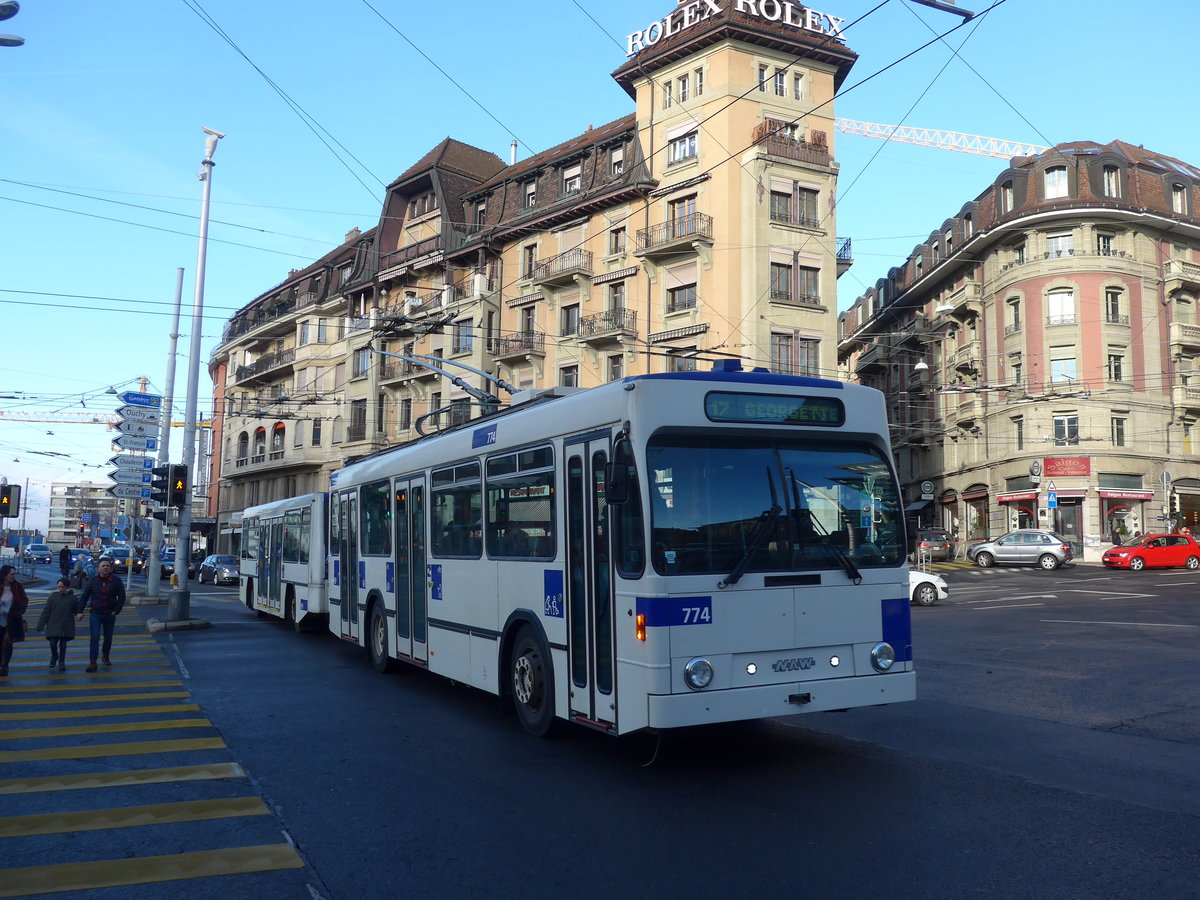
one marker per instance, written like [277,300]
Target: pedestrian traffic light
[160,484]
[10,500]
[177,487]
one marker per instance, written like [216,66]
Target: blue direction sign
[134,398]
[129,492]
[131,476]
[129,461]
[135,442]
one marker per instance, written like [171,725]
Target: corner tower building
[700,225]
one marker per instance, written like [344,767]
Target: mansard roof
[455,156]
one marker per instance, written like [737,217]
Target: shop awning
[917,506]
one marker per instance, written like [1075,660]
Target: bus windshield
[769,505]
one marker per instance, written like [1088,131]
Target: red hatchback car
[1158,550]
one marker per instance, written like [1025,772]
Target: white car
[925,588]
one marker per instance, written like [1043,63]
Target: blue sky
[100,142]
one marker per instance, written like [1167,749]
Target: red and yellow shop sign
[1053,466]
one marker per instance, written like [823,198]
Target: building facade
[82,514]
[1039,351]
[699,225]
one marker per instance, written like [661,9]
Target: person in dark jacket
[13,603]
[64,561]
[57,622]
[104,595]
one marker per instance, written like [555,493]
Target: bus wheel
[532,687]
[378,642]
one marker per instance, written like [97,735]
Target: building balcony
[1181,276]
[873,358]
[677,235]
[262,460]
[564,268]
[964,302]
[966,358]
[274,320]
[523,343]
[269,365]
[400,369]
[777,143]
[1184,338]
[356,432]
[610,325]
[1185,397]
[413,254]
[845,255]
[968,410]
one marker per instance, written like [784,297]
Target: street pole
[154,572]
[178,605]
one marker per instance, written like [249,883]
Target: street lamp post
[179,602]
[8,9]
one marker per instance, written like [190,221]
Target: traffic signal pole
[179,603]
[154,573]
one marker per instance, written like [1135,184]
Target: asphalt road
[1052,752]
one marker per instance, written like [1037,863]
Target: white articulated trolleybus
[662,551]
[283,560]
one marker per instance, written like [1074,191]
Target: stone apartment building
[1040,351]
[699,225]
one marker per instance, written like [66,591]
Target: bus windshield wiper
[842,556]
[763,526]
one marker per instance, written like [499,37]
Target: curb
[156,625]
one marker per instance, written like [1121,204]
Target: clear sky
[324,104]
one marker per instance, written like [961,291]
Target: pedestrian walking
[104,595]
[64,561]
[58,622]
[82,572]
[13,603]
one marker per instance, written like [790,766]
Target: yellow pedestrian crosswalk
[119,753]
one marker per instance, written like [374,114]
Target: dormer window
[529,194]
[1056,182]
[1006,197]
[572,178]
[616,160]
[1111,181]
[1179,199]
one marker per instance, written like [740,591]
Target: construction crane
[941,139]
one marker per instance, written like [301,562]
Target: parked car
[925,588]
[1023,547]
[1157,550]
[38,553]
[934,543]
[218,569]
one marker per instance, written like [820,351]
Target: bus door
[348,564]
[262,564]
[412,583]
[589,583]
[274,551]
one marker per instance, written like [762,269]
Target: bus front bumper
[768,701]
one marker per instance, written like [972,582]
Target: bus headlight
[882,656]
[698,673]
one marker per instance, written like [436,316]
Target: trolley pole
[179,602]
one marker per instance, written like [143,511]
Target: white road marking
[1016,606]
[1135,624]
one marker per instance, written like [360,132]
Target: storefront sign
[695,12]
[1127,495]
[1019,495]
[1067,465]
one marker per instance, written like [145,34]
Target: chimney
[352,235]
[512,153]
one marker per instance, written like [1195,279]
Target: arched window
[243,446]
[278,436]
[260,443]
[1056,182]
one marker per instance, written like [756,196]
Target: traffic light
[10,500]
[1174,503]
[160,514]
[160,484]
[177,487]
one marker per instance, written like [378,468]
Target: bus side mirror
[616,482]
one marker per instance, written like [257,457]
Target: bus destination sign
[775,409]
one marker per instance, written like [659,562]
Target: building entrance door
[1068,524]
